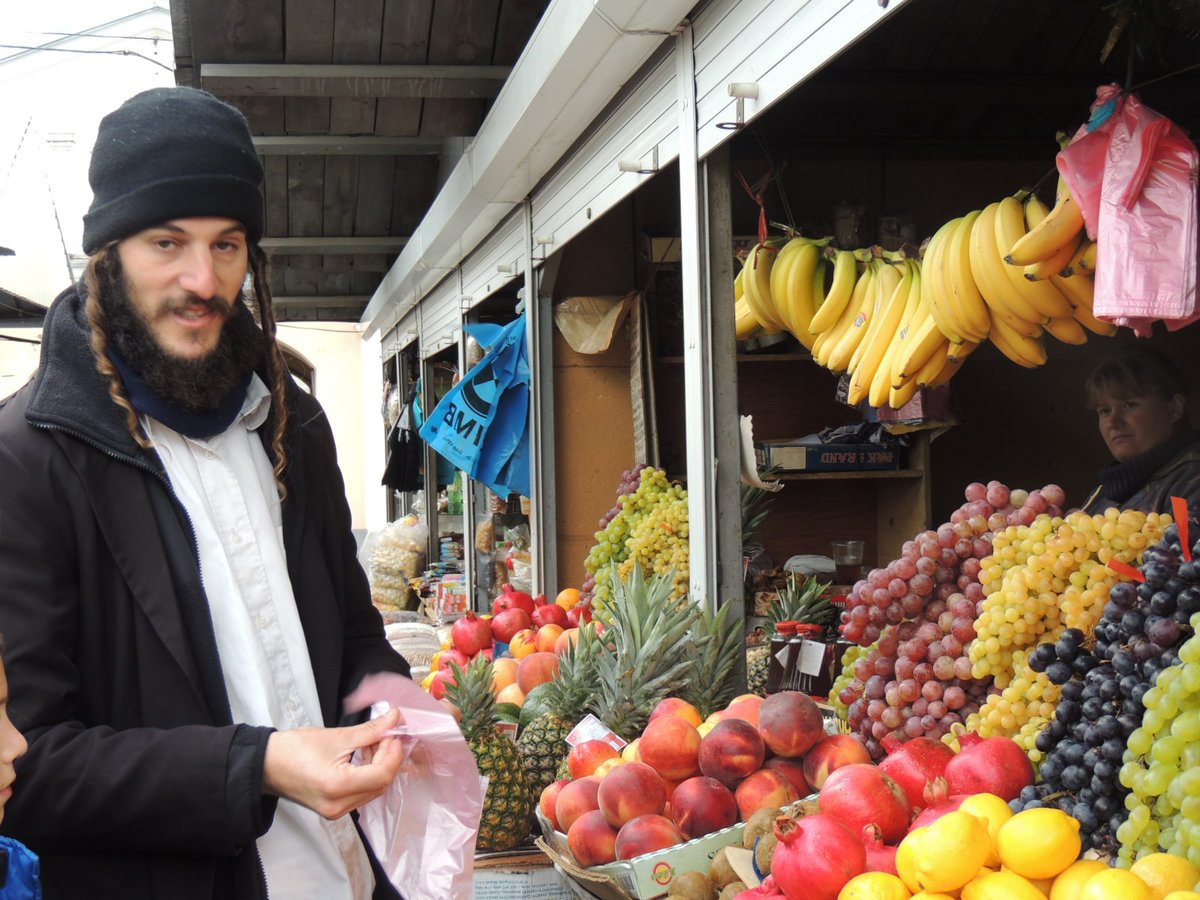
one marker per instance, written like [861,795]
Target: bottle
[454,495]
[777,667]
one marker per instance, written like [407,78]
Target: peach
[702,805]
[569,638]
[731,751]
[764,788]
[632,789]
[447,659]
[630,751]
[647,834]
[536,668]
[745,707]
[548,799]
[585,757]
[575,799]
[504,673]
[546,637]
[523,644]
[790,723]
[670,745]
[830,753]
[511,694]
[607,766]
[592,840]
[793,771]
[676,706]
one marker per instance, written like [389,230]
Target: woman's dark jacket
[137,783]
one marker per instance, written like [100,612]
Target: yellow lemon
[1115,884]
[1069,883]
[1039,843]
[992,810]
[1042,884]
[874,886]
[1000,886]
[952,851]
[1182,895]
[906,858]
[1164,873]
[925,895]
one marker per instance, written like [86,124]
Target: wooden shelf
[753,357]
[872,474]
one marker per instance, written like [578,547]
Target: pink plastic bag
[1133,173]
[423,827]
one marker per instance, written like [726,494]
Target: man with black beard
[181,597]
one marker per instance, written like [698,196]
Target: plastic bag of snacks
[395,556]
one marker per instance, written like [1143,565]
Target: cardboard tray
[643,877]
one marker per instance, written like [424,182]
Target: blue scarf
[196,425]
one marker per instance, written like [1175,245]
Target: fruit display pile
[1010,273]
[648,525]
[917,614]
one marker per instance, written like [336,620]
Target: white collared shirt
[227,486]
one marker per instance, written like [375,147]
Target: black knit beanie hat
[171,153]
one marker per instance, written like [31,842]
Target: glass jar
[777,670]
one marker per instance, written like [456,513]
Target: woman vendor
[1141,401]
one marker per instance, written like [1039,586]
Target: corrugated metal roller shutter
[400,336]
[440,316]
[589,183]
[482,273]
[774,45]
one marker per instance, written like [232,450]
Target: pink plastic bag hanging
[1143,213]
[423,827]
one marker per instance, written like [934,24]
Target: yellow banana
[929,370]
[839,356]
[881,381]
[780,270]
[920,343]
[1056,262]
[845,273]
[1041,295]
[796,299]
[898,396]
[1069,331]
[967,304]
[1035,211]
[1080,290]
[933,285]
[757,284]
[889,278]
[745,325]
[882,332]
[828,339]
[1075,265]
[1087,261]
[1027,352]
[954,361]
[1062,225]
[738,287]
[991,272]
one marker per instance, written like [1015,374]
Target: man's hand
[312,765]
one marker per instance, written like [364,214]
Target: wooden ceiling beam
[347,145]
[290,246]
[322,80]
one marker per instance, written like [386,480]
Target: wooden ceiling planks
[237,31]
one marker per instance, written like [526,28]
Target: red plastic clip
[1123,568]
[1179,508]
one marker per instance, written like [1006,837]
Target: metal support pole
[543,510]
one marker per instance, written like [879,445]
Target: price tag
[812,657]
[592,729]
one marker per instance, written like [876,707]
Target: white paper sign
[812,657]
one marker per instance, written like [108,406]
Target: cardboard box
[528,875]
[792,457]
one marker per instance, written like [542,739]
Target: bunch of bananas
[1009,273]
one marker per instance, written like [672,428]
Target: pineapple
[713,681]
[543,741]
[507,817]
[644,655]
[809,603]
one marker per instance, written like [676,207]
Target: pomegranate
[815,857]
[470,634]
[937,802]
[507,623]
[768,890]
[913,764]
[549,614]
[880,857]
[861,794]
[511,598]
[995,765]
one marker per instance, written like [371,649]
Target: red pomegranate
[913,764]
[936,803]
[511,598]
[995,765]
[507,623]
[470,634]
[862,794]
[549,614]
[815,857]
[880,857]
